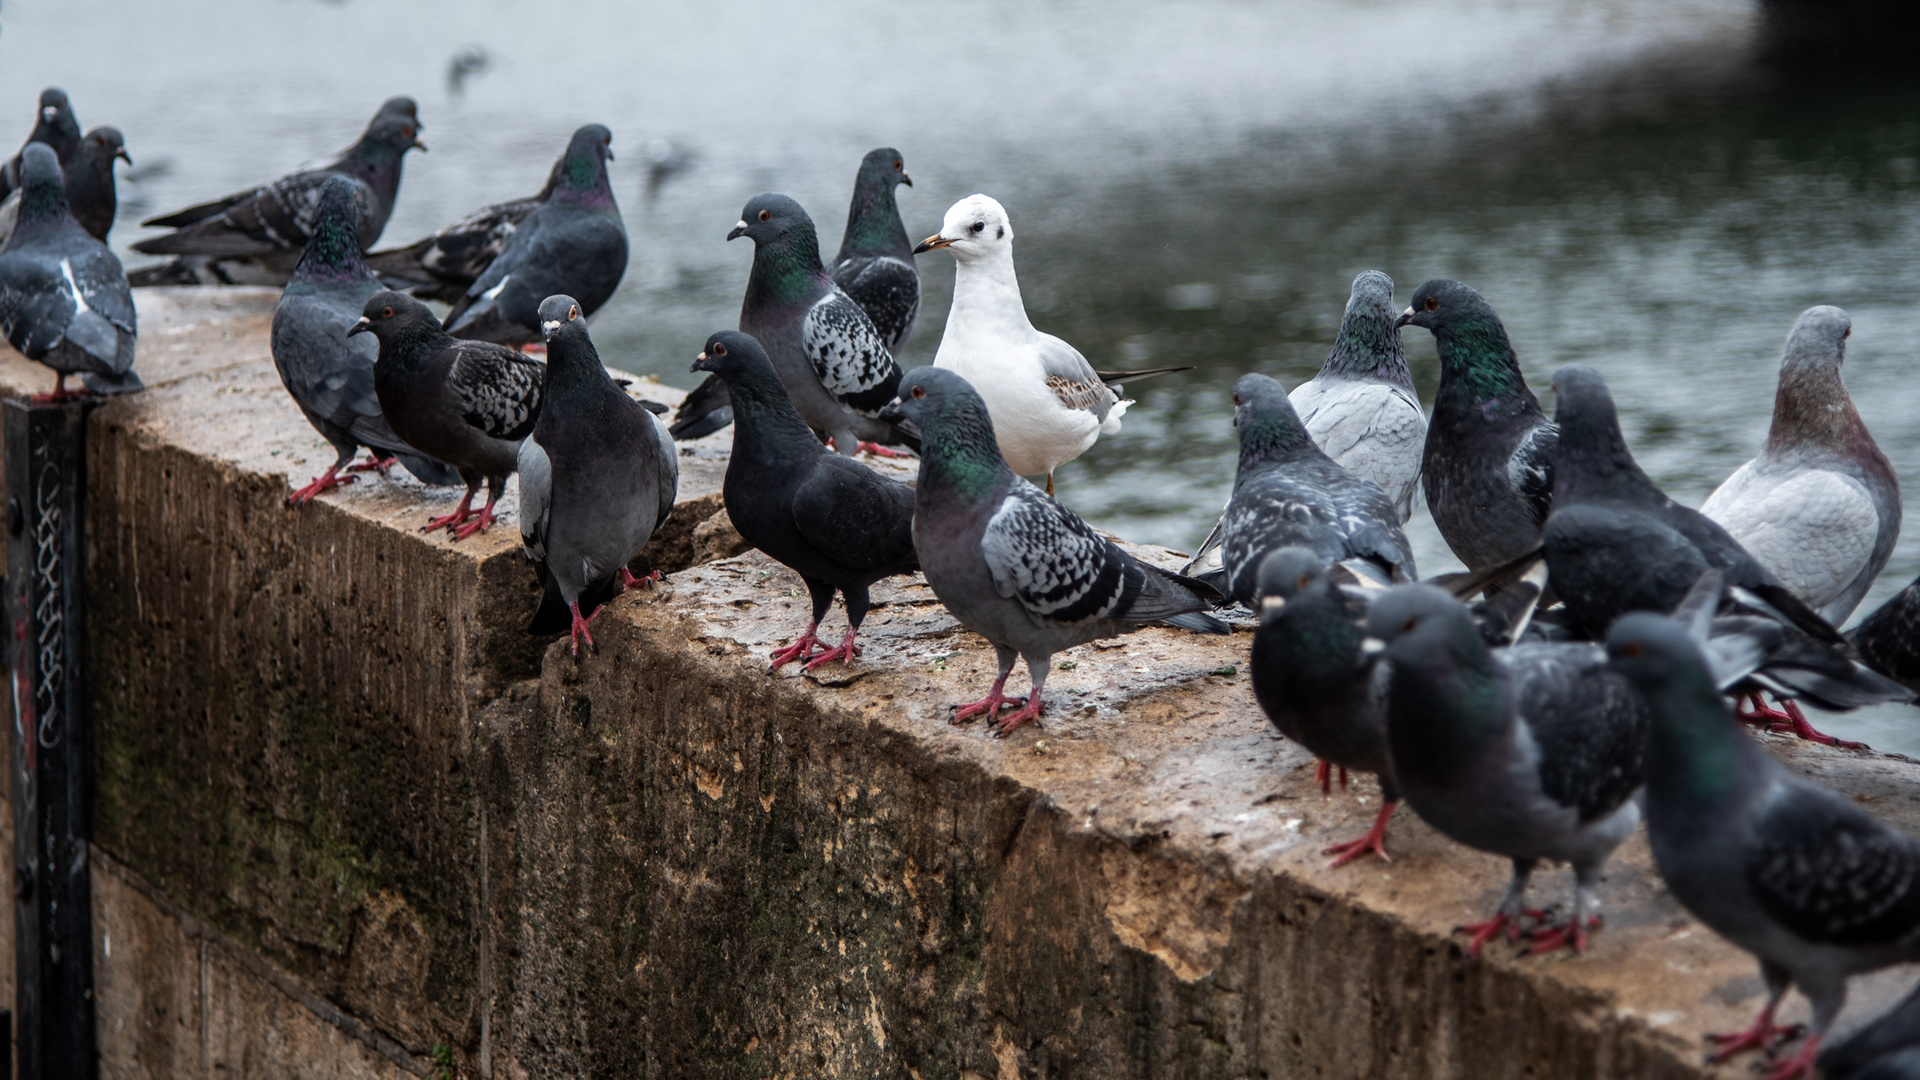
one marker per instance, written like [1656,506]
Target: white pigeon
[1820,506]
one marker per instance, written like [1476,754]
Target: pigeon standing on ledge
[64,300]
[1011,564]
[875,263]
[598,475]
[1361,409]
[91,191]
[835,522]
[55,126]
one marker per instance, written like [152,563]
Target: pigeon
[597,476]
[1532,752]
[1615,543]
[575,245]
[1049,405]
[1289,492]
[90,185]
[835,522]
[1799,876]
[1820,506]
[1888,640]
[56,126]
[1487,467]
[64,300]
[467,403]
[826,351]
[442,266]
[1013,565]
[1362,409]
[328,373]
[1886,1049]
[875,265]
[256,236]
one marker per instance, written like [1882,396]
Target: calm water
[1192,183]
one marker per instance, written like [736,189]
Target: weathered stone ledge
[350,819]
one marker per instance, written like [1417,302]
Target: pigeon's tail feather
[1857,689]
[186,270]
[1794,610]
[1199,622]
[126,382]
[705,411]
[428,471]
[1169,597]
[554,617]
[1206,561]
[1466,584]
[403,263]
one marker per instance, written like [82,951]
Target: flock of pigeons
[1577,678]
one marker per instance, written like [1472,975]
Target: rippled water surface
[1192,183]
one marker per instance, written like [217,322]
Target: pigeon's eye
[1432,303]
[1236,399]
[918,392]
[1412,621]
[718,349]
[979,227]
[1303,581]
[1631,650]
[407,132]
[1847,333]
[896,166]
[766,215]
[386,313]
[573,313]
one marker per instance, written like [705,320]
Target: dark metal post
[52,821]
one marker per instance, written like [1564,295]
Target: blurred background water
[1191,183]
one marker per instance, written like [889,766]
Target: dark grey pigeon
[875,264]
[91,194]
[1820,506]
[574,245]
[835,522]
[467,403]
[1488,465]
[1789,871]
[1886,1049]
[442,266]
[55,126]
[1287,491]
[328,373]
[1615,543]
[1011,564]
[1889,639]
[597,476]
[64,300]
[826,351]
[1532,752]
[256,236]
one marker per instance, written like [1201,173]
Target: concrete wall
[352,822]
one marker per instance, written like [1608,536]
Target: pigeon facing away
[54,125]
[256,236]
[1532,752]
[1362,409]
[1889,639]
[1789,871]
[826,351]
[1011,564]
[835,522]
[328,373]
[1820,506]
[1049,405]
[91,193]
[442,266]
[1886,1049]
[64,300]
[875,264]
[467,403]
[597,476]
[574,244]
[1615,543]
[1488,464]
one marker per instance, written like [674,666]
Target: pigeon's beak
[739,230]
[907,180]
[1405,318]
[418,145]
[700,363]
[892,413]
[1372,646]
[931,243]
[363,326]
[1272,603]
[123,155]
[548,327]
[49,113]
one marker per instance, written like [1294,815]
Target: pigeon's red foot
[534,348]
[801,650]
[1565,935]
[479,523]
[1375,841]
[1789,720]
[581,628]
[628,581]
[329,479]
[990,705]
[1763,1035]
[1800,1064]
[59,395]
[1483,932]
[375,463]
[879,451]
[845,652]
[460,514]
[1029,713]
[1323,775]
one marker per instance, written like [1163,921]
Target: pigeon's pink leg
[478,524]
[60,393]
[879,451]
[1763,1035]
[1375,841]
[1484,932]
[1791,721]
[1548,938]
[375,463]
[990,705]
[1799,1065]
[799,650]
[329,479]
[464,512]
[581,629]
[845,652]
[628,581]
[1030,712]
[1323,775]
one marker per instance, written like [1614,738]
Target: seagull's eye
[979,226]
[1432,303]
[766,215]
[573,313]
[718,349]
[386,313]
[918,392]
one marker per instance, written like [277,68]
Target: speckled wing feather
[847,355]
[68,293]
[1316,505]
[1588,721]
[1530,469]
[458,254]
[273,217]
[1073,380]
[1824,869]
[1049,560]
[1889,638]
[887,288]
[499,389]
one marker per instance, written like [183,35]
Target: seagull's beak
[739,230]
[907,180]
[1405,318]
[1372,646]
[931,243]
[363,326]
[123,155]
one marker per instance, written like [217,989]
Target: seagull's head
[1818,340]
[54,105]
[730,353]
[1440,303]
[1286,573]
[560,317]
[389,313]
[767,218]
[975,227]
[1407,617]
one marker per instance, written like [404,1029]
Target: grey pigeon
[835,522]
[54,125]
[875,264]
[467,403]
[1011,564]
[1886,1049]
[64,300]
[256,236]
[91,193]
[442,266]
[1288,492]
[1532,752]
[1789,871]
[597,476]
[1487,468]
[328,373]
[1361,408]
[1888,640]
[1616,543]
[574,244]
[826,351]
[1820,506]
